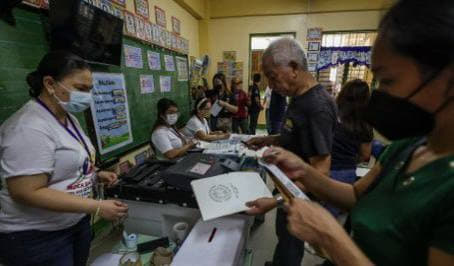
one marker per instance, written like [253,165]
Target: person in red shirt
[240,118]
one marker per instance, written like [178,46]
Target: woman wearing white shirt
[47,169]
[197,126]
[167,140]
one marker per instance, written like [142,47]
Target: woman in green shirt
[402,211]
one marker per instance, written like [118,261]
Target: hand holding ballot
[275,160]
[261,206]
[259,142]
[292,165]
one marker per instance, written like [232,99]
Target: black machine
[86,30]
[163,182]
[193,166]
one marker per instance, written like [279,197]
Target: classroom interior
[171,49]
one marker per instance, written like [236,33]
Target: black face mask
[397,118]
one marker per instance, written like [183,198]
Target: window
[334,77]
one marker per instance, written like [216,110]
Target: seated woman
[197,126]
[166,139]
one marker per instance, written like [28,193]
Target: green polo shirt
[405,214]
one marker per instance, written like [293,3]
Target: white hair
[286,50]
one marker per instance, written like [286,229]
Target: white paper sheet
[227,194]
[216,108]
[240,137]
[215,145]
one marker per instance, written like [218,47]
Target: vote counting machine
[159,195]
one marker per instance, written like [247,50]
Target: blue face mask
[78,101]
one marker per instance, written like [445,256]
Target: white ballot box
[219,242]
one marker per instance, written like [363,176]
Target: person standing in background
[256,107]
[352,142]
[239,119]
[227,101]
[266,105]
[278,107]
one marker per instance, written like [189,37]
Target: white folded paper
[227,194]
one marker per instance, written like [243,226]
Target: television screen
[86,30]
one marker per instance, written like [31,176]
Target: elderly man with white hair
[307,131]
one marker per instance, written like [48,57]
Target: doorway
[257,44]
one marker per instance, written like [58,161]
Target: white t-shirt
[33,142]
[165,139]
[267,97]
[194,125]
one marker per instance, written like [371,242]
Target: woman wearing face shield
[402,211]
[167,140]
[197,126]
[47,169]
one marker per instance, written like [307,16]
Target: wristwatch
[279,199]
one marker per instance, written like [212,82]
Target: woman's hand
[261,206]
[225,135]
[191,144]
[222,103]
[108,178]
[112,210]
[292,165]
[310,222]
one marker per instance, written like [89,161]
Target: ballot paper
[252,153]
[214,145]
[227,194]
[284,180]
[240,137]
[216,108]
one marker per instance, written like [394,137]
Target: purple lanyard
[79,137]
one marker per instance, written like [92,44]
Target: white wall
[232,34]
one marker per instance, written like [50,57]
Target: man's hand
[259,142]
[261,206]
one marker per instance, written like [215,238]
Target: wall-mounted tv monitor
[86,30]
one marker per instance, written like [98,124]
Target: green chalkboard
[23,45]
[142,107]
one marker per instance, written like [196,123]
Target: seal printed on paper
[220,193]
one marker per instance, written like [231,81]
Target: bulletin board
[26,44]
[143,103]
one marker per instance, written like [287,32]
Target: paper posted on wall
[227,194]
